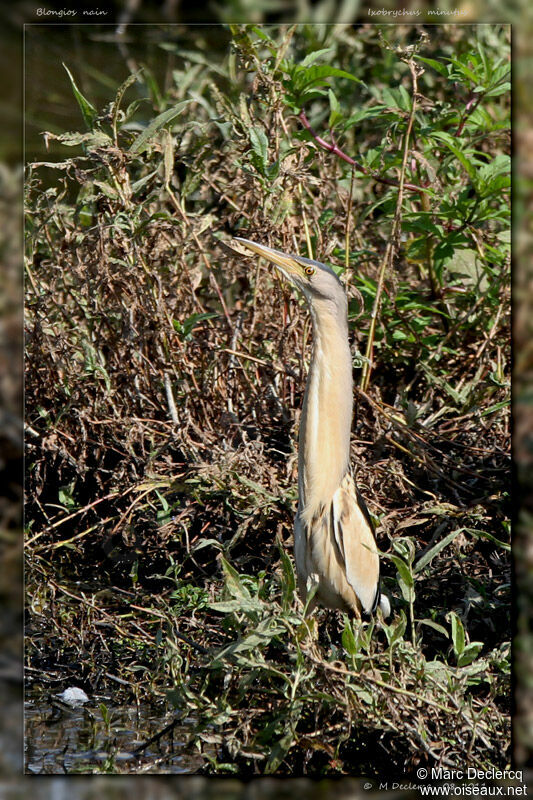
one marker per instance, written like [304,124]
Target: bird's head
[317,281]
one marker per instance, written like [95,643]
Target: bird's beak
[287,264]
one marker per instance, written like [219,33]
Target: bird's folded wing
[354,538]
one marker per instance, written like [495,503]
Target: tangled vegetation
[165,377]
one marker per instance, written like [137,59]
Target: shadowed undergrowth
[165,377]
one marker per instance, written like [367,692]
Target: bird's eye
[309,271]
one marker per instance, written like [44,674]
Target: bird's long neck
[324,439]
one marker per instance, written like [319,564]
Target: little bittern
[334,545]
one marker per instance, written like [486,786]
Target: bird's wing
[354,537]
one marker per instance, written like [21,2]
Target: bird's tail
[384,604]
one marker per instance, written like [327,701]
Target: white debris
[73,696]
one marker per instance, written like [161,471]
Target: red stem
[335,149]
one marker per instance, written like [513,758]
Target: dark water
[100,60]
[81,740]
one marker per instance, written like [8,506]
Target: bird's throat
[324,440]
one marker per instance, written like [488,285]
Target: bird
[335,550]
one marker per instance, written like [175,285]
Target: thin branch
[159,735]
[391,245]
[335,149]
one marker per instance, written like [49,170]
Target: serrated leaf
[501,165]
[463,69]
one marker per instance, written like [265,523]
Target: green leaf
[204,542]
[396,630]
[335,110]
[440,68]
[236,606]
[396,98]
[491,410]
[501,165]
[465,265]
[405,546]
[233,581]
[348,639]
[303,79]
[130,111]
[107,189]
[66,496]
[435,625]
[458,633]
[314,56]
[259,142]
[405,578]
[470,652]
[480,534]
[289,582]
[104,711]
[484,60]
[463,69]
[405,101]
[427,557]
[141,142]
[87,109]
[365,113]
[262,34]
[137,185]
[452,145]
[254,642]
[278,753]
[503,88]
[185,328]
